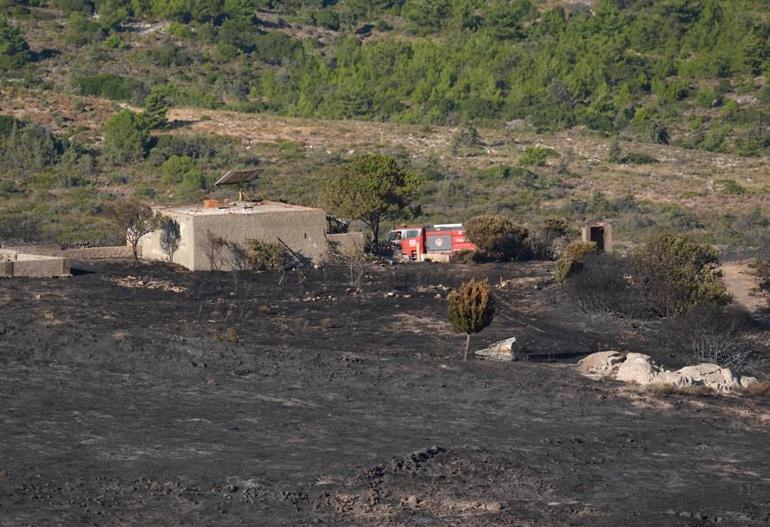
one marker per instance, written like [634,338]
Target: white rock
[637,368]
[600,365]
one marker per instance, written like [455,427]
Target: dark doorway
[597,236]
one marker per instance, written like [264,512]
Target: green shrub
[572,259]
[14,50]
[125,137]
[106,85]
[466,137]
[675,273]
[536,156]
[730,186]
[275,46]
[27,146]
[471,308]
[265,256]
[497,238]
[83,30]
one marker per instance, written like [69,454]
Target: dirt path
[741,283]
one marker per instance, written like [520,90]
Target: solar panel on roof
[237,177]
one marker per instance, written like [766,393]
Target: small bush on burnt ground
[712,333]
[602,284]
[498,238]
[265,256]
[675,273]
[572,259]
[471,308]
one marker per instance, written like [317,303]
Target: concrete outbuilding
[16,264]
[600,233]
[212,234]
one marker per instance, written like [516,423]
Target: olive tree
[471,309]
[370,188]
[135,219]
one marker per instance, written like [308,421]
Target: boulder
[503,350]
[707,375]
[637,368]
[601,365]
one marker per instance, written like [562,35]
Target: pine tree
[155,108]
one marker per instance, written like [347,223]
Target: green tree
[370,188]
[134,219]
[471,309]
[125,137]
[155,110]
[14,50]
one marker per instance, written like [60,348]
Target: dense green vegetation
[690,73]
[666,71]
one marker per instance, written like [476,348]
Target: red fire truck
[428,244]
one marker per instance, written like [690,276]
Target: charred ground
[141,395]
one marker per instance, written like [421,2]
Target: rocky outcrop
[637,368]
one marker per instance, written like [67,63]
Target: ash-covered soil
[141,395]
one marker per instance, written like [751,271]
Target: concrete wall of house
[302,230]
[151,249]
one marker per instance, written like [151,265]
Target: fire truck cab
[434,244]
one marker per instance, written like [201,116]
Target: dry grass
[759,388]
[683,177]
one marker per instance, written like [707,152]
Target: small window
[412,233]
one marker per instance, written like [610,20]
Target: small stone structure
[600,233]
[16,264]
[302,230]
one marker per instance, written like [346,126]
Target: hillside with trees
[86,85]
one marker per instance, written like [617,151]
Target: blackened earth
[144,395]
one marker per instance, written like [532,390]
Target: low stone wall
[85,253]
[13,264]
